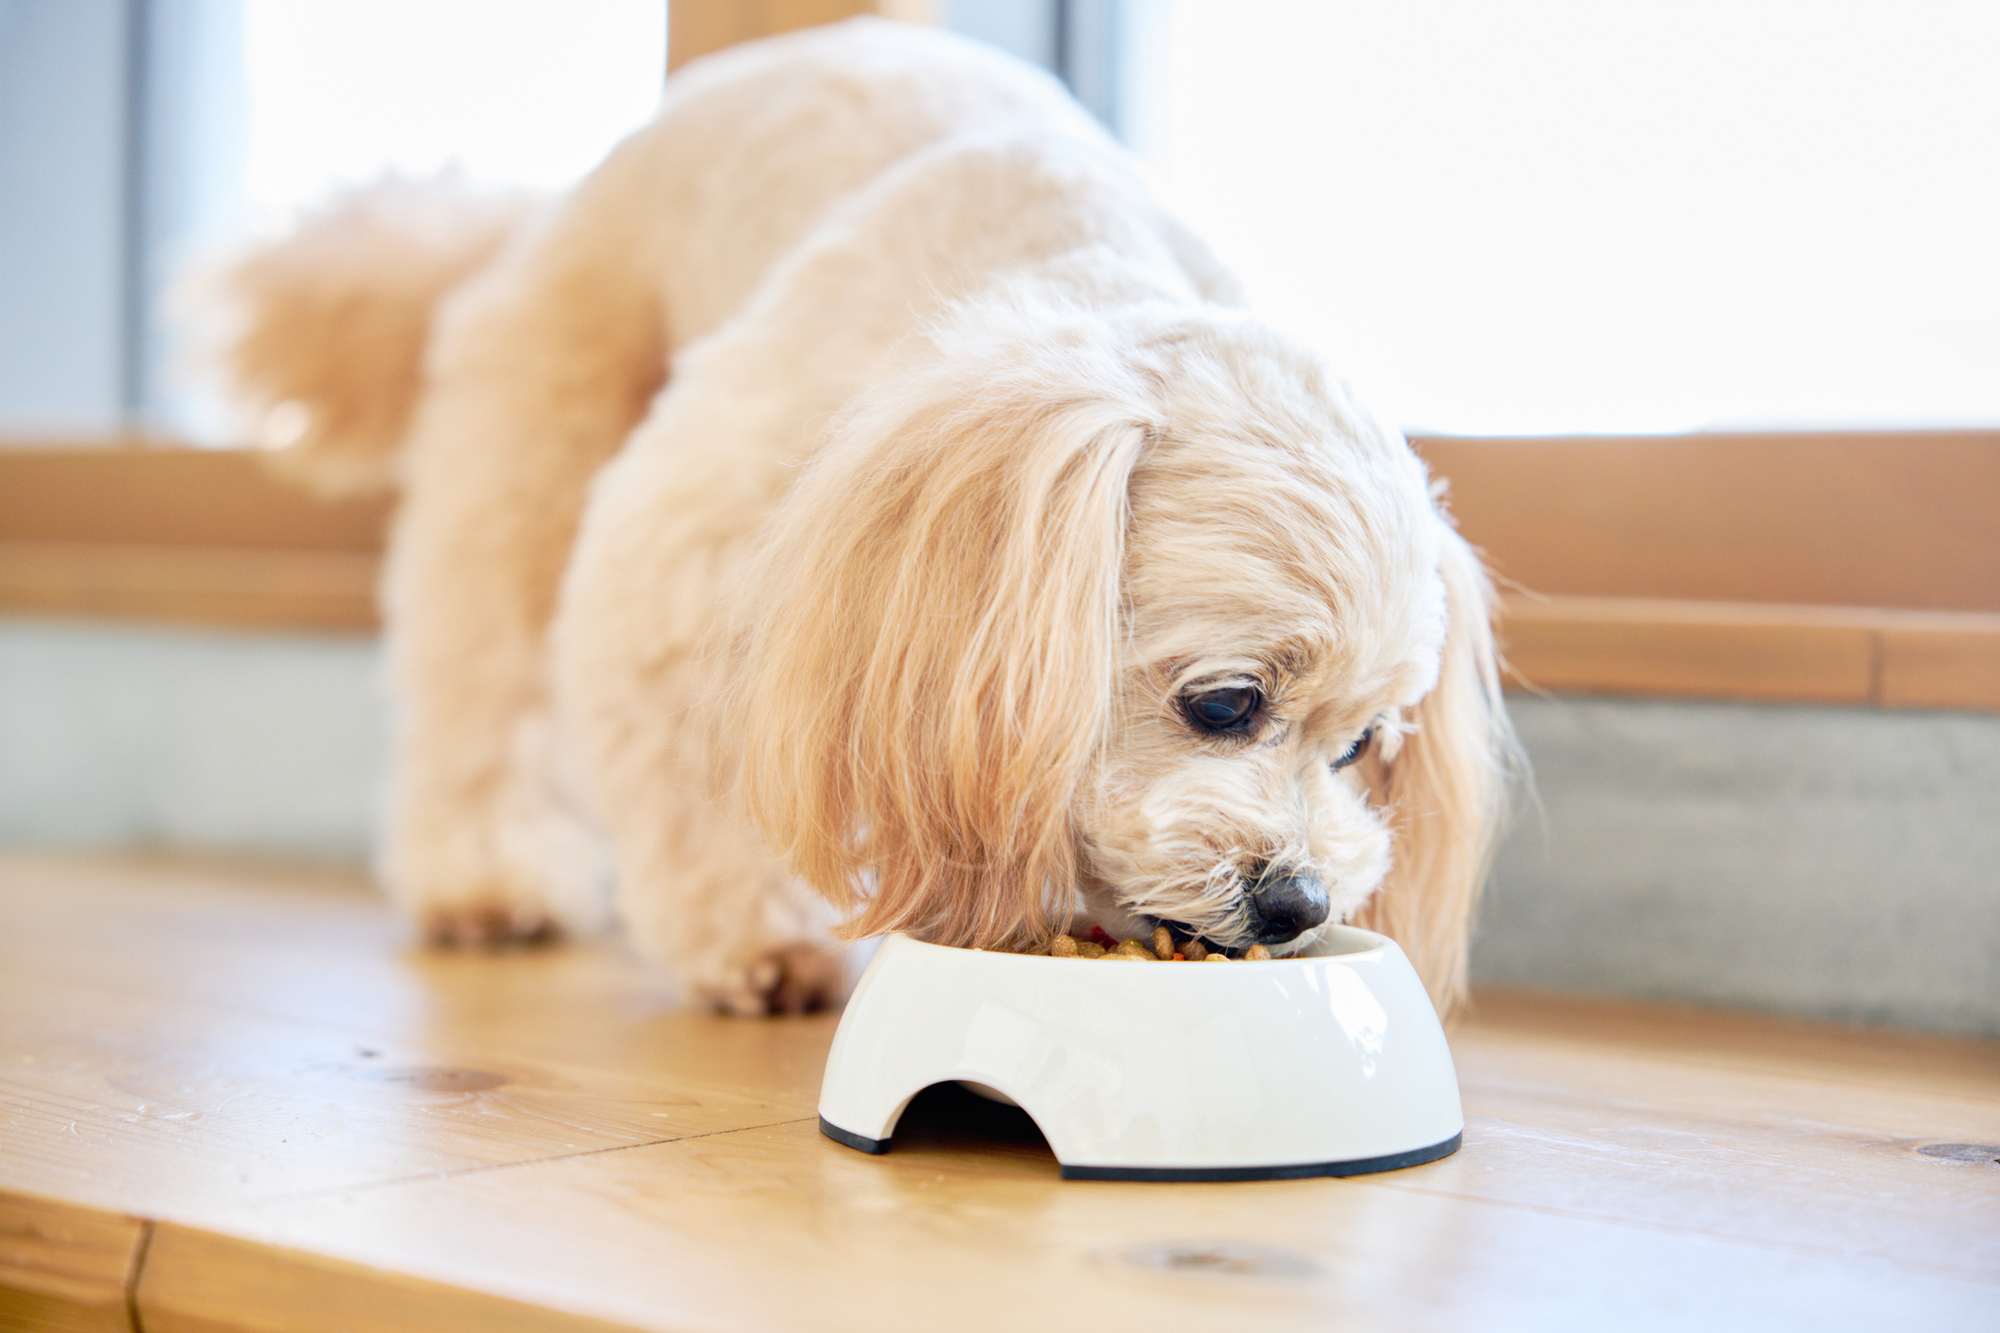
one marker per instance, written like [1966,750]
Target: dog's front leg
[700,896]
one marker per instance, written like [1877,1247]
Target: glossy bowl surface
[1333,1064]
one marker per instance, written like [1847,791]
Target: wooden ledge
[152,532]
[241,587]
[1733,650]
[1690,567]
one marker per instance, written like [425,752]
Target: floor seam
[335,1191]
[139,1254]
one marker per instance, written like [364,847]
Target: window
[520,91]
[136,135]
[1547,216]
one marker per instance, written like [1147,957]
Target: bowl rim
[1364,944]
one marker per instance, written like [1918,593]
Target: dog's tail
[320,336]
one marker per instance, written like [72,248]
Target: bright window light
[530,92]
[1567,215]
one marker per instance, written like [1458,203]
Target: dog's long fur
[849,485]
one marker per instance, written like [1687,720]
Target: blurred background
[1697,305]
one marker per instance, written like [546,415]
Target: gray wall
[1827,862]
[1836,862]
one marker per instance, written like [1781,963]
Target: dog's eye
[1224,710]
[1356,750]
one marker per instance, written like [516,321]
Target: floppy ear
[928,673]
[1444,790]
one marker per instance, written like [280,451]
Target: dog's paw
[488,925]
[789,979]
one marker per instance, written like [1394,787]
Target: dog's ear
[928,671]
[1444,789]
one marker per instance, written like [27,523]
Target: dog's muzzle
[1284,907]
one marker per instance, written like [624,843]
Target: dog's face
[1283,617]
[1141,611]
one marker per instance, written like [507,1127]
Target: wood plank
[170,1105]
[780,1229]
[1626,1165]
[63,1267]
[1734,650]
[199,1282]
[1907,520]
[1689,649]
[1889,1058]
[261,588]
[1824,1163]
[320,950]
[138,494]
[1941,662]
[147,1064]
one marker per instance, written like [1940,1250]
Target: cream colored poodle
[858,507]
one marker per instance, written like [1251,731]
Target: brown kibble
[1162,949]
[1121,956]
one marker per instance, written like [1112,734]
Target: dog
[860,508]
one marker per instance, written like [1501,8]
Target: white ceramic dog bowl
[1329,1065]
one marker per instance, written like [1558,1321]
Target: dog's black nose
[1283,907]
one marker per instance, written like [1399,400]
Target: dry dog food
[1162,949]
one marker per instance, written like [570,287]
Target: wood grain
[179,1041]
[1941,662]
[1906,520]
[259,588]
[65,1267]
[1609,1216]
[1690,649]
[200,1282]
[335,1062]
[183,536]
[152,495]
[1735,650]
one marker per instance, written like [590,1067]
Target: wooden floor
[232,1099]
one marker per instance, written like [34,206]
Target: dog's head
[1140,612]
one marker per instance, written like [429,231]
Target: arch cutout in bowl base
[1328,1065]
[1359,1167]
